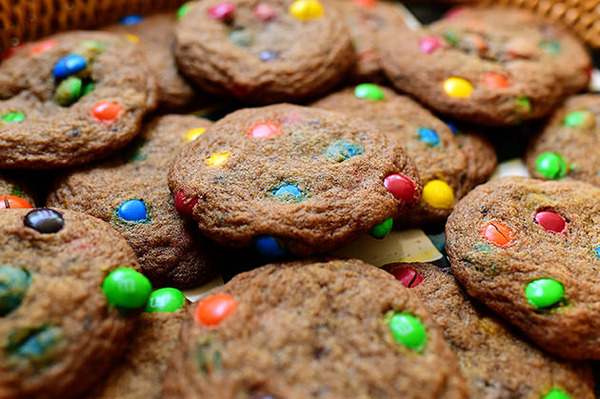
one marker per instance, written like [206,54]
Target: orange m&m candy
[214,309]
[106,111]
[498,234]
[13,202]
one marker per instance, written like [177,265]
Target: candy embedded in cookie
[291,180]
[273,50]
[265,331]
[503,242]
[60,331]
[71,99]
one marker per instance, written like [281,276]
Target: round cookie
[565,146]
[308,330]
[528,249]
[263,51]
[291,178]
[156,35]
[445,170]
[571,60]
[497,361]
[365,18]
[71,98]
[482,71]
[140,373]
[59,334]
[130,191]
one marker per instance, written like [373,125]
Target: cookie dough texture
[312,330]
[496,360]
[171,251]
[63,336]
[572,133]
[52,136]
[263,59]
[140,373]
[490,69]
[156,34]
[512,231]
[316,182]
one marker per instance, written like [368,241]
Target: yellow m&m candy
[193,134]
[438,194]
[306,9]
[457,87]
[218,159]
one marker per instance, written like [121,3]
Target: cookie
[156,35]
[291,179]
[485,71]
[497,361]
[312,330]
[446,171]
[64,322]
[528,249]
[139,374]
[70,99]
[563,147]
[365,18]
[263,51]
[14,193]
[130,191]
[571,60]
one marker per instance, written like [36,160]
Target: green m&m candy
[369,91]
[68,91]
[408,331]
[556,394]
[183,10]
[551,166]
[14,282]
[577,118]
[544,292]
[382,229]
[524,105]
[13,117]
[126,289]
[165,300]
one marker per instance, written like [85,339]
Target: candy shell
[213,310]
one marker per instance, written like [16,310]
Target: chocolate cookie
[140,373]
[156,35]
[70,99]
[335,329]
[365,18]
[572,62]
[528,249]
[291,178]
[564,148]
[130,191]
[444,168]
[263,51]
[486,71]
[496,360]
[59,334]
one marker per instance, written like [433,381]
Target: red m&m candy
[264,129]
[401,187]
[551,221]
[214,309]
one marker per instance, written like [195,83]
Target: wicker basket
[24,20]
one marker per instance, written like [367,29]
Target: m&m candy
[126,288]
[213,310]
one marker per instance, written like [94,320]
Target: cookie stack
[316,122]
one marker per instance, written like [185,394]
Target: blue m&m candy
[269,246]
[69,65]
[429,136]
[131,20]
[133,210]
